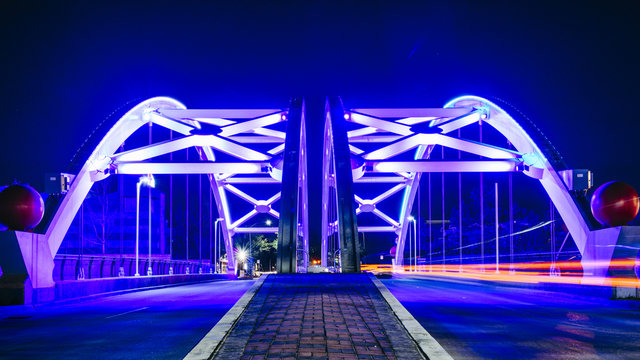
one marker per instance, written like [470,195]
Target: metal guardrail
[76,267]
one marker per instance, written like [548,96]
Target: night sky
[572,67]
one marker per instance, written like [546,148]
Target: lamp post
[150,182]
[216,248]
[415,244]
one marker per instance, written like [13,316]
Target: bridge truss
[240,147]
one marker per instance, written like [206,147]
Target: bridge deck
[318,316]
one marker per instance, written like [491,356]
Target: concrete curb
[426,342]
[209,344]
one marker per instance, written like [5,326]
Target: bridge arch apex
[96,163]
[555,188]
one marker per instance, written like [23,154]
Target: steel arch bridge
[236,147]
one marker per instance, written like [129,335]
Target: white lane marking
[126,312]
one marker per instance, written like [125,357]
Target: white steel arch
[97,165]
[550,180]
[231,131]
[397,132]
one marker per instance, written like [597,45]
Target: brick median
[318,316]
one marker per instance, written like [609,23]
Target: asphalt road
[475,321]
[153,324]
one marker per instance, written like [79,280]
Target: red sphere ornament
[615,203]
[21,207]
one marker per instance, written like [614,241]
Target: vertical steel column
[552,231]
[410,251]
[347,224]
[497,229]
[121,196]
[171,204]
[288,224]
[511,221]
[419,218]
[510,216]
[211,225]
[460,209]
[200,220]
[444,249]
[326,236]
[150,268]
[80,275]
[303,195]
[430,225]
[187,213]
[481,208]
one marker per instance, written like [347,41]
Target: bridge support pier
[603,246]
[27,268]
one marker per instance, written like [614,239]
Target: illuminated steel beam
[256,230]
[381,124]
[380,179]
[250,180]
[171,124]
[388,193]
[246,139]
[217,113]
[445,166]
[412,141]
[365,131]
[162,148]
[142,168]
[374,138]
[377,229]
[450,125]
[251,125]
[409,113]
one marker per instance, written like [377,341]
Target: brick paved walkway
[318,316]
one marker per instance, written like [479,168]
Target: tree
[263,248]
[100,213]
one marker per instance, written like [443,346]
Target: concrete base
[12,289]
[618,243]
[16,289]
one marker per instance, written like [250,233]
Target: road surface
[473,320]
[153,324]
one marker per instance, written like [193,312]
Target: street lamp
[216,248]
[241,257]
[415,241]
[150,182]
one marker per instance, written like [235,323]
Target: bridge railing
[77,267]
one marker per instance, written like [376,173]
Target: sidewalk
[318,316]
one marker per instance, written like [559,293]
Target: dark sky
[572,67]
